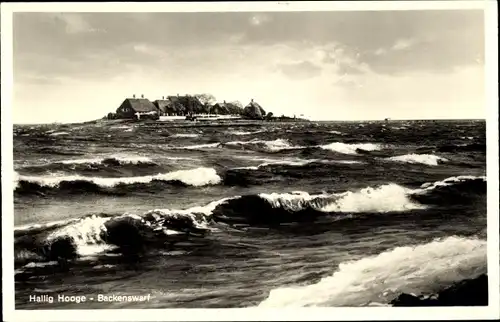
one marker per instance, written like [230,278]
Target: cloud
[380,51]
[353,59]
[76,23]
[149,50]
[300,70]
[259,19]
[403,44]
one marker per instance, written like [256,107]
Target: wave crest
[428,159]
[193,177]
[380,278]
[270,146]
[111,160]
[350,148]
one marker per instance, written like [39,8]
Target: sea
[265,214]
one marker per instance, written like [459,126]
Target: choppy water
[273,214]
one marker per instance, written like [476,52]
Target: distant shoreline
[184,123]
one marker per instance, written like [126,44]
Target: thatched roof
[162,105]
[182,104]
[254,110]
[174,105]
[234,109]
[226,108]
[140,105]
[219,108]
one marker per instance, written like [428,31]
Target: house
[137,108]
[192,105]
[226,109]
[254,111]
[219,109]
[164,106]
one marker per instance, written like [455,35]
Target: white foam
[192,177]
[241,133]
[123,159]
[180,158]
[378,279]
[205,210]
[446,182]
[428,159]
[44,225]
[294,201]
[86,233]
[292,162]
[272,146]
[59,133]
[40,264]
[346,148]
[386,198]
[199,146]
[185,135]
[104,266]
[342,161]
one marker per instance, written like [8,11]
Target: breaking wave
[193,177]
[419,269]
[346,148]
[96,234]
[428,159]
[58,133]
[276,208]
[185,135]
[197,146]
[269,146]
[241,133]
[111,160]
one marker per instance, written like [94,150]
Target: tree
[237,103]
[237,108]
[206,99]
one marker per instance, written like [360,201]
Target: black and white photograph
[235,156]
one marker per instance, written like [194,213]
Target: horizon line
[302,120]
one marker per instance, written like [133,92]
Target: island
[192,108]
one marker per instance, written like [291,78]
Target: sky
[325,65]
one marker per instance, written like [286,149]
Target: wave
[241,133]
[101,166]
[385,198]
[121,127]
[184,135]
[353,148]
[100,234]
[269,146]
[296,207]
[197,146]
[452,192]
[379,279]
[111,160]
[428,159]
[58,133]
[269,162]
[96,234]
[193,177]
[449,182]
